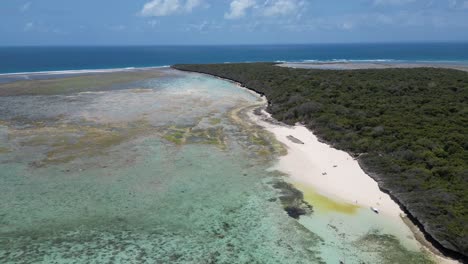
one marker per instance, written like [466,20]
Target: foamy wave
[348,60]
[83,71]
[373,60]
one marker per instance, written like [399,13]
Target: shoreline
[319,165]
[317,156]
[440,253]
[307,64]
[84,71]
[370,65]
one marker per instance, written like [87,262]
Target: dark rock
[292,200]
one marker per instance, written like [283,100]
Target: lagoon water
[166,168]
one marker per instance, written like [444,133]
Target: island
[405,126]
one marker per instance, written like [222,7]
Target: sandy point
[331,172]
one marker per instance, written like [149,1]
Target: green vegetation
[407,126]
[190,135]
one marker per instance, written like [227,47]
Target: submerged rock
[293,200]
[295,212]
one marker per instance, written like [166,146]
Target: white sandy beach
[332,173]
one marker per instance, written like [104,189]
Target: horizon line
[240,44]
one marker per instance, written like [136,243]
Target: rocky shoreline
[443,247]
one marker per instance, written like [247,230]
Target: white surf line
[84,71]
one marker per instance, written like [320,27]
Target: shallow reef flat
[75,84]
[153,171]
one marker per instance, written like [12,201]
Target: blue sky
[186,22]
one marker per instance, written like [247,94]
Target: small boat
[375,210]
[295,140]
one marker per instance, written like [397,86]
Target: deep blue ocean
[33,59]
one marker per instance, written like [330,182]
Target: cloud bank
[269,8]
[238,8]
[169,7]
[282,7]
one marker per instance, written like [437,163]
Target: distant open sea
[34,59]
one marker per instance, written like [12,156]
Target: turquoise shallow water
[163,170]
[171,205]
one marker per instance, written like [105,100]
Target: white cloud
[153,23]
[204,26]
[269,8]
[29,26]
[191,4]
[392,2]
[160,8]
[238,8]
[458,4]
[169,7]
[282,7]
[25,7]
[198,27]
[347,26]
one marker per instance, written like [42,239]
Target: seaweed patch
[292,200]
